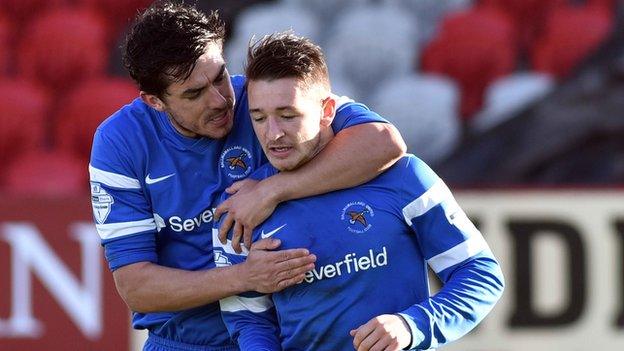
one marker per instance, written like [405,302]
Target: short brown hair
[285,55]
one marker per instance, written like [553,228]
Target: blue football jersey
[154,192]
[373,244]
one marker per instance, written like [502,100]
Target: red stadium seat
[46,173]
[572,33]
[474,48]
[609,5]
[85,107]
[24,10]
[63,47]
[118,12]
[529,16]
[22,118]
[6,37]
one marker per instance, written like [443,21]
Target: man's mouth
[220,119]
[280,151]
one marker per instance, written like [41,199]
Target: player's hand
[250,204]
[267,271]
[387,332]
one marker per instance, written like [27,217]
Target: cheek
[309,131]
[260,133]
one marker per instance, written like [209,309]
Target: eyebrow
[281,108]
[192,91]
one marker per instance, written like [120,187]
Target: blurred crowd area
[490,93]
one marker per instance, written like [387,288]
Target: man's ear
[153,101]
[329,111]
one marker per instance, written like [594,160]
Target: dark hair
[285,55]
[165,42]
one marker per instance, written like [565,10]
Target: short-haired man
[159,164]
[369,289]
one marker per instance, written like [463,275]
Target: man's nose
[216,98]
[275,130]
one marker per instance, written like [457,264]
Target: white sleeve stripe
[341,100]
[431,198]
[113,179]
[458,253]
[115,230]
[252,304]
[227,247]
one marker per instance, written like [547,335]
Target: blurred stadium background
[516,103]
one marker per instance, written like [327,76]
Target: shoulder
[350,113]
[238,83]
[413,175]
[118,141]
[128,121]
[264,172]
[413,165]
[346,106]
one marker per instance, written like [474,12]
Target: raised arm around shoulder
[354,156]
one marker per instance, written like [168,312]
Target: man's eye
[220,78]
[259,119]
[288,116]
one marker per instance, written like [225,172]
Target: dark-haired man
[369,289]
[159,164]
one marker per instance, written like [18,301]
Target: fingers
[266,244]
[293,266]
[297,271]
[236,237]
[374,341]
[380,334]
[234,188]
[289,282]
[225,228]
[362,333]
[292,271]
[247,234]
[221,209]
[290,254]
[271,271]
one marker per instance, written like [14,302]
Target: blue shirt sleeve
[250,317]
[251,325]
[121,213]
[458,254]
[350,114]
[265,171]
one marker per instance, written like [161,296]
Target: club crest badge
[101,201]
[221,260]
[357,216]
[236,162]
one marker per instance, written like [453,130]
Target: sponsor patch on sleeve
[101,201]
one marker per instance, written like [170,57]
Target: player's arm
[126,225]
[251,321]
[470,290]
[458,254]
[359,152]
[354,156]
[149,287]
[249,317]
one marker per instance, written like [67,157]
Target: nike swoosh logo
[149,180]
[266,235]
